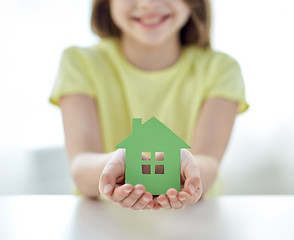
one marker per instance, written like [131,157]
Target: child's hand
[112,187]
[190,192]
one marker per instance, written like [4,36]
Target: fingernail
[128,190]
[138,192]
[145,199]
[172,196]
[192,189]
[182,199]
[107,188]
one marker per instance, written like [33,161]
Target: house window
[150,164]
[159,156]
[146,156]
[159,169]
[146,169]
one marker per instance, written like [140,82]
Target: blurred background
[33,34]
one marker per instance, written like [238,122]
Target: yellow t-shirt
[173,95]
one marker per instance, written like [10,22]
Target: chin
[152,42]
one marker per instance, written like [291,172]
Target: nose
[149,4]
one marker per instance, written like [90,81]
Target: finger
[185,155]
[142,201]
[111,172]
[192,181]
[106,184]
[121,192]
[118,158]
[185,198]
[134,196]
[193,186]
[149,206]
[172,195]
[164,202]
[156,206]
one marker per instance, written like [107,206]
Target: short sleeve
[72,77]
[226,81]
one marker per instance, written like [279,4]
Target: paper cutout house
[158,175]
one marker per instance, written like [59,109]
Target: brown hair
[195,31]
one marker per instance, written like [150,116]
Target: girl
[154,59]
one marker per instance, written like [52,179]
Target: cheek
[118,12]
[183,10]
[186,13]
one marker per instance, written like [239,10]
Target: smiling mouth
[150,22]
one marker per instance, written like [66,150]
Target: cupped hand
[112,187]
[191,186]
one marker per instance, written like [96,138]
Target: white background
[258,33]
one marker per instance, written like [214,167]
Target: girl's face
[150,22]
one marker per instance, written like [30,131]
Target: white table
[69,217]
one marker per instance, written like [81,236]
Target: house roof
[152,134]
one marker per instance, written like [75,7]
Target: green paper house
[154,139]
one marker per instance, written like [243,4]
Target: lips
[151,20]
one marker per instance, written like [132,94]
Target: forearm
[208,171]
[86,169]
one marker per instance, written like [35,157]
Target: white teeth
[150,21]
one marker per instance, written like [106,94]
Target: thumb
[106,184]
[113,170]
[192,183]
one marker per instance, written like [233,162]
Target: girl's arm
[199,167]
[211,137]
[91,169]
[83,142]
